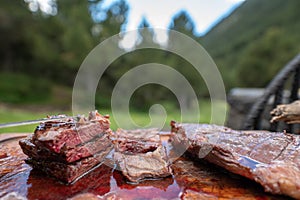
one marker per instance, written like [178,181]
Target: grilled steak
[68,148]
[70,132]
[37,151]
[136,141]
[68,172]
[137,167]
[140,154]
[271,159]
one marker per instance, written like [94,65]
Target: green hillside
[255,41]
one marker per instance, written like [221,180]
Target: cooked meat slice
[140,154]
[136,141]
[141,166]
[69,172]
[271,159]
[38,152]
[70,132]
[68,148]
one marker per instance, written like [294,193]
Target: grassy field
[140,118]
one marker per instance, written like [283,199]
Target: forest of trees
[39,50]
[254,42]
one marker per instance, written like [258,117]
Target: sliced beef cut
[70,132]
[69,147]
[37,151]
[150,165]
[140,154]
[69,172]
[136,141]
[271,159]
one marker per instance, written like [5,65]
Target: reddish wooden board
[191,180]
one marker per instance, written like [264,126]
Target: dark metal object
[36,121]
[276,88]
[295,86]
[277,100]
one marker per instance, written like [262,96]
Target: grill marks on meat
[271,159]
[140,154]
[68,148]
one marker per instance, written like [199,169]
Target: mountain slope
[257,39]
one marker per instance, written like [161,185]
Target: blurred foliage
[37,49]
[139,117]
[253,43]
[52,46]
[183,23]
[24,90]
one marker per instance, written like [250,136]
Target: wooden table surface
[191,180]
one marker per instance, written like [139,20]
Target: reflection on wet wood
[191,180]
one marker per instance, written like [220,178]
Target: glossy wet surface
[191,180]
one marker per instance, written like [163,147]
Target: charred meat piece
[69,172]
[37,151]
[140,154]
[68,148]
[136,141]
[70,132]
[271,159]
[150,165]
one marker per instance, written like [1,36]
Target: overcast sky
[159,13]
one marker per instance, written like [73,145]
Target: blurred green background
[40,54]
